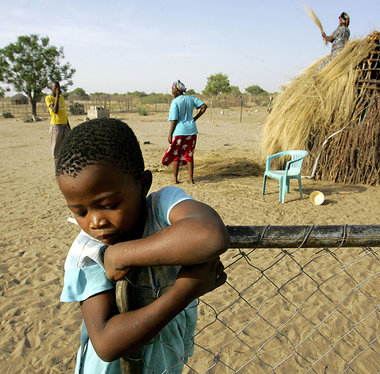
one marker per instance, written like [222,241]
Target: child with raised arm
[166,244]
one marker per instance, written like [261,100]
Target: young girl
[183,130]
[167,245]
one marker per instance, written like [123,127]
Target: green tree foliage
[235,90]
[30,64]
[190,92]
[217,84]
[80,93]
[254,90]
[154,98]
[100,96]
[138,93]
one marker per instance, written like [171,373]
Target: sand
[41,335]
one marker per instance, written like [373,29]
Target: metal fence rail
[304,236]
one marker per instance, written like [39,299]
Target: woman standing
[183,130]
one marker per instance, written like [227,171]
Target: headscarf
[179,86]
[345,17]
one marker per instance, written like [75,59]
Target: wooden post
[241,108]
[304,236]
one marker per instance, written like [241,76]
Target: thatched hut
[334,114]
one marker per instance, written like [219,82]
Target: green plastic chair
[292,171]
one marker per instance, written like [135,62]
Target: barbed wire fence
[131,104]
[298,299]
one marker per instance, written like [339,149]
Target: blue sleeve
[197,102]
[168,198]
[173,112]
[81,283]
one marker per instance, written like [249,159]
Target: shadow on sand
[226,168]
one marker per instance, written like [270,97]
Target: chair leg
[264,183]
[300,185]
[287,185]
[282,190]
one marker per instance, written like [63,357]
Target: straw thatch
[314,17]
[340,99]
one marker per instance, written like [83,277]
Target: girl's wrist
[119,254]
[184,292]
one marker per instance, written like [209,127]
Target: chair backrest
[297,154]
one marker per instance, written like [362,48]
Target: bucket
[317,197]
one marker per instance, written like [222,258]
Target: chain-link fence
[298,299]
[294,310]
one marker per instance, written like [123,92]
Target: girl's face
[108,204]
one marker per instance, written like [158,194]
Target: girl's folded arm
[113,334]
[196,235]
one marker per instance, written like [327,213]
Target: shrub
[142,111]
[77,108]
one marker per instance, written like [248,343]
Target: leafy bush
[142,111]
[255,89]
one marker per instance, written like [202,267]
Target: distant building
[19,99]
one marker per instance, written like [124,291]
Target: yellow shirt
[59,118]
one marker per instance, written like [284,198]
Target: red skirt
[181,150]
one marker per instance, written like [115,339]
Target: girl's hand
[114,271]
[197,280]
[170,139]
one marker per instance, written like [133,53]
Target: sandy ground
[41,335]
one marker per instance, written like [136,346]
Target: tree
[191,92]
[30,64]
[217,84]
[254,90]
[79,94]
[235,90]
[138,93]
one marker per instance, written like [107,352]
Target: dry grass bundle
[313,16]
[319,103]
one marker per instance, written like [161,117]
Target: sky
[145,45]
